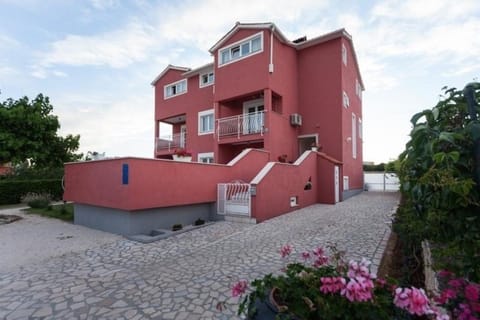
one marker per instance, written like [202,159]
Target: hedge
[11,191]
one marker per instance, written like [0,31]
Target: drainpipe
[469,93]
[270,66]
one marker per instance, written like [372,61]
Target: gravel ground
[35,239]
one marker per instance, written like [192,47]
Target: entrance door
[183,135]
[337,184]
[253,116]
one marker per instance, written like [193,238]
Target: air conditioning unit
[295,119]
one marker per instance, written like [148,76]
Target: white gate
[233,198]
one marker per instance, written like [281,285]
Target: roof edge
[198,70]
[169,67]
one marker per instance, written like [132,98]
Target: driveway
[186,276]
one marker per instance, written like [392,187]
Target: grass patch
[61,211]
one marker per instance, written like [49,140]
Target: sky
[95,59]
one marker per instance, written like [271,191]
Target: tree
[28,132]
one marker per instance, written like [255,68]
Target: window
[344,54]
[205,122]
[360,129]
[206,157]
[175,89]
[207,79]
[241,49]
[358,88]
[354,136]
[346,100]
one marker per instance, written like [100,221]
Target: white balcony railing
[249,123]
[171,142]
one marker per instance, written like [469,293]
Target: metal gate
[233,198]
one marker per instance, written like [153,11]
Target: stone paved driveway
[184,277]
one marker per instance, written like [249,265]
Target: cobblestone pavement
[186,276]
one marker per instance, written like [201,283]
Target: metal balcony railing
[244,124]
[171,142]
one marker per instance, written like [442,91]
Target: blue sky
[95,59]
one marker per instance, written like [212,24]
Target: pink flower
[320,261]
[456,283]
[472,292]
[446,295]
[286,250]
[332,284]
[319,251]
[239,288]
[445,274]
[361,269]
[306,255]
[358,289]
[414,300]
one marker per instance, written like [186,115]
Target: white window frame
[344,54]
[206,155]
[360,128]
[354,136]
[239,44]
[345,100]
[174,84]
[358,89]
[209,82]
[202,114]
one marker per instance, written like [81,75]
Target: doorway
[305,142]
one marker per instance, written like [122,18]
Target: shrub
[199,222]
[37,200]
[441,200]
[11,191]
[177,227]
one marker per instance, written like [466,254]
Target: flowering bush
[325,287]
[460,296]
[182,153]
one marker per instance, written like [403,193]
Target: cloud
[103,4]
[426,10]
[192,21]
[107,125]
[116,49]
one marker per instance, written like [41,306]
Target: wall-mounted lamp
[349,139]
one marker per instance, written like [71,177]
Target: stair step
[240,219]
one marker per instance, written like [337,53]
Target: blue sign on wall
[125,173]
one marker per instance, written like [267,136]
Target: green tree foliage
[441,201]
[28,130]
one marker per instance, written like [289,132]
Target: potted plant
[282,158]
[182,155]
[322,287]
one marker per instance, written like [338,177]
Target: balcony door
[253,120]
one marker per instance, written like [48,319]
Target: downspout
[469,93]
[270,66]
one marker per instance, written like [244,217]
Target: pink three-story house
[250,120]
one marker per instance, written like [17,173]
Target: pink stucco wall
[153,183]
[283,181]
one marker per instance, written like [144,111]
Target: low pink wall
[154,183]
[283,181]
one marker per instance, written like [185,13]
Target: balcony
[241,125]
[171,142]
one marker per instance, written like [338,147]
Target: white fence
[233,198]
[381,181]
